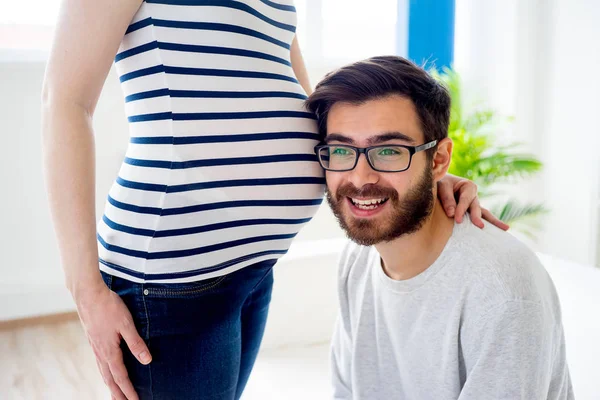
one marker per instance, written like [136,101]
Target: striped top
[220,171]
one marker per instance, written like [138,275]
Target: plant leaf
[524,217]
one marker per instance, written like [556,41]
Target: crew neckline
[416,282]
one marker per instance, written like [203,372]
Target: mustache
[349,190]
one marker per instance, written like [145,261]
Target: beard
[408,214]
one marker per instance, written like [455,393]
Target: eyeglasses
[385,158]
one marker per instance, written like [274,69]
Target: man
[430,309]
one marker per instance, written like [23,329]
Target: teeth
[368,202]
[370,207]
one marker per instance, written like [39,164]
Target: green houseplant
[478,156]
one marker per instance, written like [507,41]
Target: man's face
[371,206]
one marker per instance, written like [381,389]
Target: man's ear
[441,159]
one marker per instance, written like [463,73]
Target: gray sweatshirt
[482,322]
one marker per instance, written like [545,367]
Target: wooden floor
[51,359]
[48,359]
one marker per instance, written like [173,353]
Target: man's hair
[378,77]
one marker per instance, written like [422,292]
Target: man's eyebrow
[373,140]
[336,137]
[389,136]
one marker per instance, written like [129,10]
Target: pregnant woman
[173,283]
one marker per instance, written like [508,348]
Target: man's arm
[341,343]
[341,355]
[514,352]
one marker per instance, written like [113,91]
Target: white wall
[537,60]
[28,249]
[572,104]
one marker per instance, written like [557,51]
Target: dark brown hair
[379,77]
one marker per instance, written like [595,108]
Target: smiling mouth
[370,204]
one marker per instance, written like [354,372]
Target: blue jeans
[203,336]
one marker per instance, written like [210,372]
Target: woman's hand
[106,321]
[466,191]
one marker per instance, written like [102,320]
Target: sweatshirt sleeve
[340,363]
[515,353]
[341,343]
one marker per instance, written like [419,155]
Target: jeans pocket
[107,278]
[183,290]
[268,273]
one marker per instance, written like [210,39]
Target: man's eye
[340,152]
[388,152]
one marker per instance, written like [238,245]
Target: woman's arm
[87,37]
[299,67]
[88,33]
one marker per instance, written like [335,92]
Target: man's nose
[363,174]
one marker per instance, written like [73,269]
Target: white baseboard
[33,300]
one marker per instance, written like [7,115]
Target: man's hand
[106,321]
[449,187]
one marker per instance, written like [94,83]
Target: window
[358,29]
[27,25]
[346,30]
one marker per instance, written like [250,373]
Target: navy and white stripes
[220,171]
